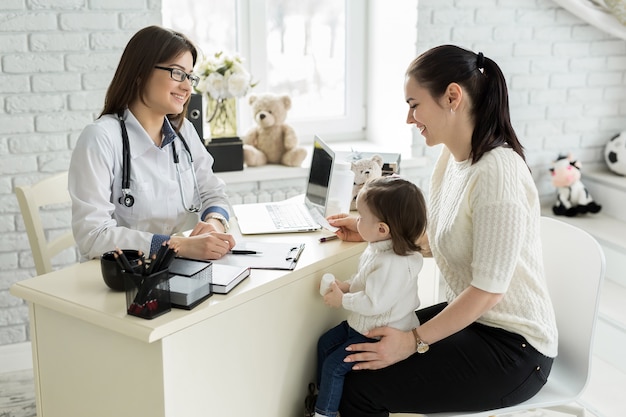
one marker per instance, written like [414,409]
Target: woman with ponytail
[492,342]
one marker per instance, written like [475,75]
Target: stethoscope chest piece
[127,200]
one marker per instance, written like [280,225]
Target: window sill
[279,182]
[273,172]
[264,173]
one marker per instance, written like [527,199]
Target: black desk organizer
[147,296]
[190,282]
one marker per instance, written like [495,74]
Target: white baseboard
[16,357]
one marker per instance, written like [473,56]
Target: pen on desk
[328,238]
[245,252]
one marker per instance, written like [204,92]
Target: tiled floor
[17,394]
[604,396]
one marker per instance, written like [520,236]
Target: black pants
[478,368]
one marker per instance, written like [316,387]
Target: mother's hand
[394,346]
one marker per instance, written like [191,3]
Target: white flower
[216,85]
[238,84]
[223,76]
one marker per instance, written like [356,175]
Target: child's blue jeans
[331,369]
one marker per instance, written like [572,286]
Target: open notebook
[293,216]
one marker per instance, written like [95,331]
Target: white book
[226,277]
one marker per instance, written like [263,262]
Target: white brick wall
[56,60]
[567,85]
[566,79]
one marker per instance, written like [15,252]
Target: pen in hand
[328,238]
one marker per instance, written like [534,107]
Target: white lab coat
[99,222]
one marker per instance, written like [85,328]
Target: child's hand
[347,227]
[334,296]
[344,286]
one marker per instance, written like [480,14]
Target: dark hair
[484,82]
[150,46]
[401,205]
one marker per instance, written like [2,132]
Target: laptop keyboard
[287,216]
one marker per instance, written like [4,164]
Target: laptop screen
[319,176]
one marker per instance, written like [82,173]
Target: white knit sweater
[384,290]
[483,229]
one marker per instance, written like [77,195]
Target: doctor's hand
[203,246]
[206,227]
[347,227]
[394,346]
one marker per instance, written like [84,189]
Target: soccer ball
[615,153]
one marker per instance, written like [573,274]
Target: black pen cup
[112,273]
[147,296]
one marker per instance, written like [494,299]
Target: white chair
[31,198]
[574,264]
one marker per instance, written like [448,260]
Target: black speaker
[227,153]
[194,113]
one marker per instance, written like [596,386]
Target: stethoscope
[127,198]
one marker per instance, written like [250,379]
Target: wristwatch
[221,219]
[420,345]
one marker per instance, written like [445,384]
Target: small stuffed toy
[365,170]
[572,198]
[271,141]
[615,154]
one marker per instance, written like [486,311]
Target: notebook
[227,277]
[307,215]
[193,281]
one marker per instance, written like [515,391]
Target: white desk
[248,353]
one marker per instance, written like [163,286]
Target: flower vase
[222,117]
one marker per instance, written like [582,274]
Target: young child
[392,216]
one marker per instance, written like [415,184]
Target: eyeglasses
[180,75]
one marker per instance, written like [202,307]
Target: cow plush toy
[572,198]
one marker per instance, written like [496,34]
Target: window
[313,50]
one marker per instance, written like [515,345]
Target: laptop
[290,215]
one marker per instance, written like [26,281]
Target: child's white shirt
[384,290]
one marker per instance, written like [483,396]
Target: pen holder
[112,274]
[147,296]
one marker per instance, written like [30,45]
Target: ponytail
[491,113]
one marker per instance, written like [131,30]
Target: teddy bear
[365,170]
[572,196]
[271,140]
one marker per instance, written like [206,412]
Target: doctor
[139,174]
